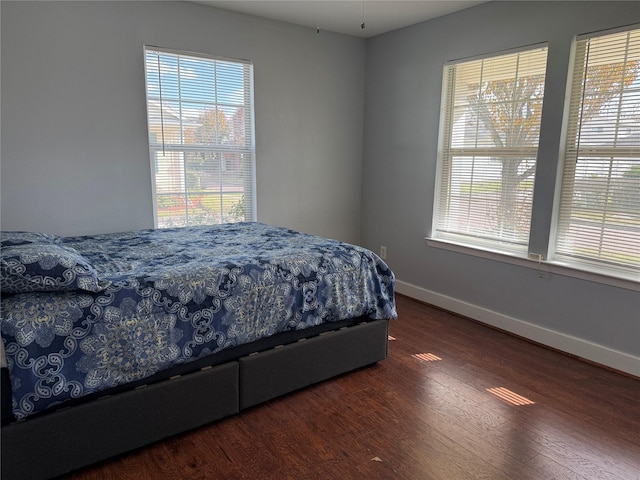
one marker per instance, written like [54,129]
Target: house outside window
[201,142]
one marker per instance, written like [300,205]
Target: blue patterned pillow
[8,239]
[46,268]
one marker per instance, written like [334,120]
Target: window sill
[628,283]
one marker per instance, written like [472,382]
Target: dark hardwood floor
[454,400]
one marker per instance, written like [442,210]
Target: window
[487,153]
[490,125]
[200,116]
[598,221]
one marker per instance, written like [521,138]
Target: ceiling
[346,16]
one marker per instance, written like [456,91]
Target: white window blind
[200,116]
[598,222]
[489,130]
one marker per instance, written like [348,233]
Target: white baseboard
[566,343]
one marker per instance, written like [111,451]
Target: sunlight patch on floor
[509,396]
[426,357]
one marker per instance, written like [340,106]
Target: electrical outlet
[383,252]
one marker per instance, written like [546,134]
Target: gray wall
[402,108]
[74,141]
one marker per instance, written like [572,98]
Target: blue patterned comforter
[83,314]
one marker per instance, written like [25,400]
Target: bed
[115,341]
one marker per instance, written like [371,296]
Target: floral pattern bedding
[83,314]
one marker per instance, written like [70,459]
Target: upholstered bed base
[59,442]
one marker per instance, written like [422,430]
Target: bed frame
[55,443]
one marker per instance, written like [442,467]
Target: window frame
[446,152]
[164,145]
[571,131]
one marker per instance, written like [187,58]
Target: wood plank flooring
[426,412]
